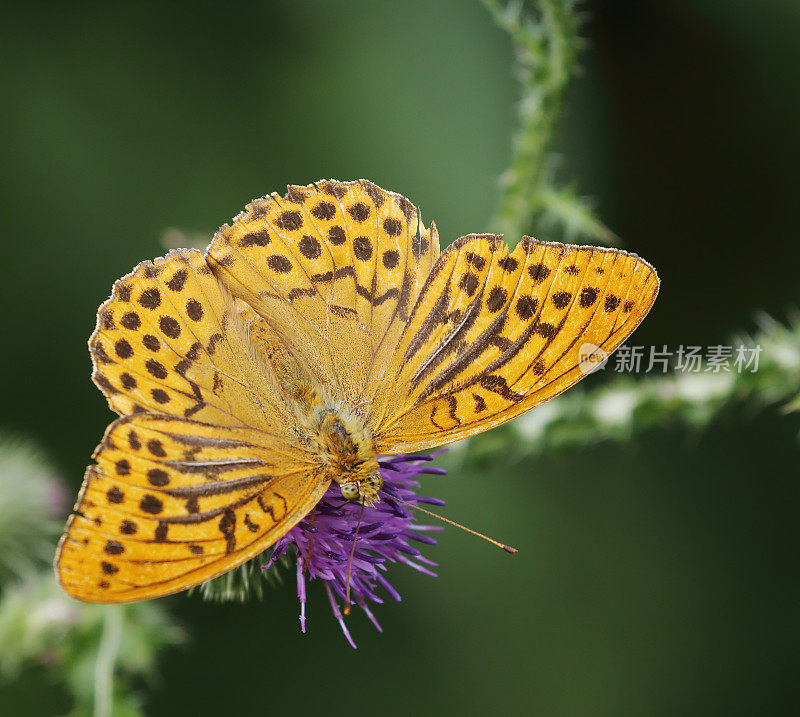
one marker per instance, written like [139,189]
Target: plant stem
[546,45]
[107,653]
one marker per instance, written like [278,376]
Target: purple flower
[324,539]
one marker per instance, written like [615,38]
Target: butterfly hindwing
[172,502]
[496,333]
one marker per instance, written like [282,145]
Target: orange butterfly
[319,330]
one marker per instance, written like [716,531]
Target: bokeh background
[656,575]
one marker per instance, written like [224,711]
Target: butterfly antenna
[346,608]
[310,541]
[507,548]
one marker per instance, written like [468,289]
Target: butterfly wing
[171,340]
[171,502]
[333,269]
[494,334]
[207,470]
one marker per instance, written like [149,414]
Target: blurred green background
[656,576]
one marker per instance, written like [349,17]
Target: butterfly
[319,329]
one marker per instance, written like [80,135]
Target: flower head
[324,540]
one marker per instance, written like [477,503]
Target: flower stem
[107,653]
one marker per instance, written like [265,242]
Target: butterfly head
[363,491]
[347,453]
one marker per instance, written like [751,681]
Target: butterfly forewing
[171,341]
[496,333]
[333,268]
[172,502]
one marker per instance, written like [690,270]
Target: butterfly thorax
[346,452]
[338,436]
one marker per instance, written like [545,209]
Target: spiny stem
[546,45]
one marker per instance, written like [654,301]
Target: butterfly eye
[350,490]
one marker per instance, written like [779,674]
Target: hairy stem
[546,45]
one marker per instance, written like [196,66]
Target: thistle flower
[375,536]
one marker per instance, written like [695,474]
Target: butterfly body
[319,330]
[333,432]
[345,449]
